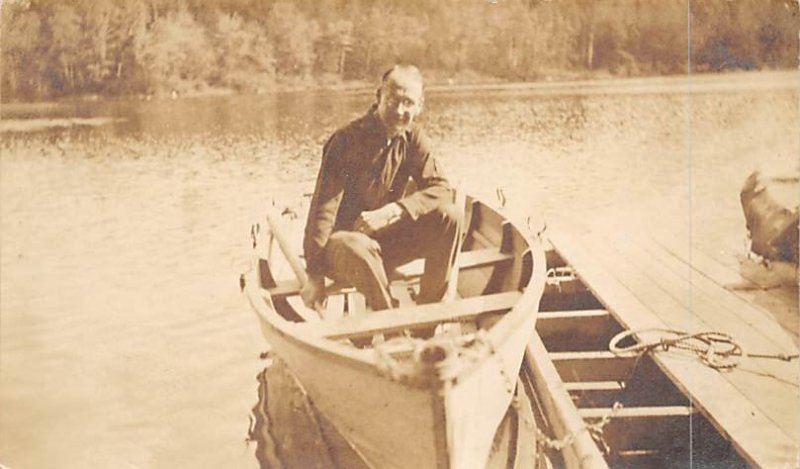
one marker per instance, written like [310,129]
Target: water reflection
[289,432]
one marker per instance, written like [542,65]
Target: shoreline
[699,82]
[762,79]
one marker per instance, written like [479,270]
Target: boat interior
[493,266]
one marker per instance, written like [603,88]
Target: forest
[105,48]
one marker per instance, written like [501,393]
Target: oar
[294,261]
[275,226]
[452,284]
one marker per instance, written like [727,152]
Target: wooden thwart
[636,412]
[592,366]
[581,386]
[418,316]
[660,428]
[467,260]
[576,330]
[284,288]
[595,393]
[581,315]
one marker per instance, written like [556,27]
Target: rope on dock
[717,350]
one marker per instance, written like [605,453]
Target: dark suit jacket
[363,170]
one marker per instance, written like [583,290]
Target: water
[124,340]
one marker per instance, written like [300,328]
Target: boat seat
[466,260]
[409,272]
[419,316]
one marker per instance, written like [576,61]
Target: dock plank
[689,285]
[715,279]
[776,316]
[752,433]
[676,235]
[770,384]
[781,302]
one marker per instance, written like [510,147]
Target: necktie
[391,164]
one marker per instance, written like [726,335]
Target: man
[361,224]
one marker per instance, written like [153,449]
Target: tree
[176,53]
[385,35]
[22,76]
[53,48]
[744,34]
[293,37]
[333,46]
[245,59]
[66,35]
[127,31]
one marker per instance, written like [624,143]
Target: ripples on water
[124,339]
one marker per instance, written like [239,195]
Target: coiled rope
[717,350]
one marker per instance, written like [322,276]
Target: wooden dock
[657,278]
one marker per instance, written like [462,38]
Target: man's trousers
[356,259]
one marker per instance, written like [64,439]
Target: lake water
[124,340]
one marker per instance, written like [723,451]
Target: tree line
[53,48]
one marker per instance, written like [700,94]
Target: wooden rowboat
[401,401]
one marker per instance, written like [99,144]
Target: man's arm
[434,189]
[373,221]
[324,204]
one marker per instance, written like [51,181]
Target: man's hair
[400,68]
[410,69]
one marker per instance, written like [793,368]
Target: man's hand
[313,293]
[371,222]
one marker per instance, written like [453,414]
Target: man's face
[400,102]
